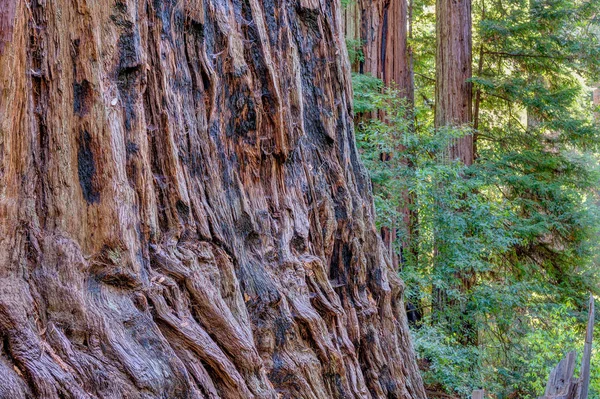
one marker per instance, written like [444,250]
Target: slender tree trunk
[596,100]
[384,34]
[183,213]
[477,107]
[381,27]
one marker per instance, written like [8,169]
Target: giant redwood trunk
[183,212]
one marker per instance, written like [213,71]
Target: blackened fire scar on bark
[82,97]
[86,168]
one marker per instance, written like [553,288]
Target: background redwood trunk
[183,211]
[453,93]
[384,34]
[453,101]
[381,27]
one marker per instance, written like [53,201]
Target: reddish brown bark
[183,211]
[453,70]
[596,100]
[381,26]
[384,34]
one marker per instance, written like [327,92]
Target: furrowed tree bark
[384,33]
[183,211]
[453,93]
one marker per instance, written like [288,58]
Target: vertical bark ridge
[453,93]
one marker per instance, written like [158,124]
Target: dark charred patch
[387,381]
[86,168]
[128,74]
[279,374]
[340,208]
[337,380]
[298,244]
[307,36]
[129,54]
[120,7]
[119,16]
[253,242]
[340,265]
[82,97]
[164,11]
[254,52]
[310,18]
[282,327]
[370,336]
[243,112]
[182,209]
[75,48]
[131,148]
[195,28]
[244,225]
[205,79]
[271,20]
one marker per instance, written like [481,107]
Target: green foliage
[355,51]
[366,92]
[551,334]
[520,222]
[447,364]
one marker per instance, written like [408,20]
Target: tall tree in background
[453,73]
[453,96]
[378,31]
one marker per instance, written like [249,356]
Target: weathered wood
[587,351]
[561,384]
[478,394]
[183,213]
